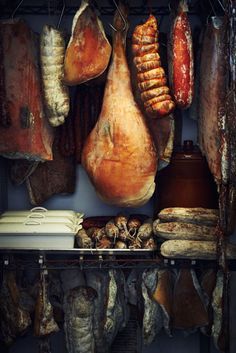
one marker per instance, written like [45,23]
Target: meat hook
[221,5]
[122,17]
[17,7]
[62,13]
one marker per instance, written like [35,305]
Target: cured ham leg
[119,155]
[88,52]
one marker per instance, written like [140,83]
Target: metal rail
[71,10]
[103,259]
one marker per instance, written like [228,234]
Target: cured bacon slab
[119,155]
[181,58]
[88,51]
[28,135]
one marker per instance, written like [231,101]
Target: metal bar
[71,10]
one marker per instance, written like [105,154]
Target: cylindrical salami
[181,72]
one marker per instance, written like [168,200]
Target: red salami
[181,58]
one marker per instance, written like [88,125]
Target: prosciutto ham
[88,52]
[119,155]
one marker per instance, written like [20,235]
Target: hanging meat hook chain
[62,13]
[17,7]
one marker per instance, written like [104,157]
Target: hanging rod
[6,11]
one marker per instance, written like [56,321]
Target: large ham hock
[119,155]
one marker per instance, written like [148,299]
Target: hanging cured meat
[151,76]
[44,323]
[28,135]
[14,320]
[181,58]
[230,206]
[163,132]
[152,311]
[189,311]
[88,51]
[208,283]
[52,177]
[163,295]
[119,155]
[213,80]
[56,94]
[78,307]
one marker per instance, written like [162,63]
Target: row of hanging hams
[120,154]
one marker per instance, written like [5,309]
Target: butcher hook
[62,13]
[17,7]
[221,5]
[122,17]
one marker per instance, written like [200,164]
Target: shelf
[96,258]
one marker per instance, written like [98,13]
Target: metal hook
[221,5]
[62,13]
[17,7]
[212,7]
[122,17]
